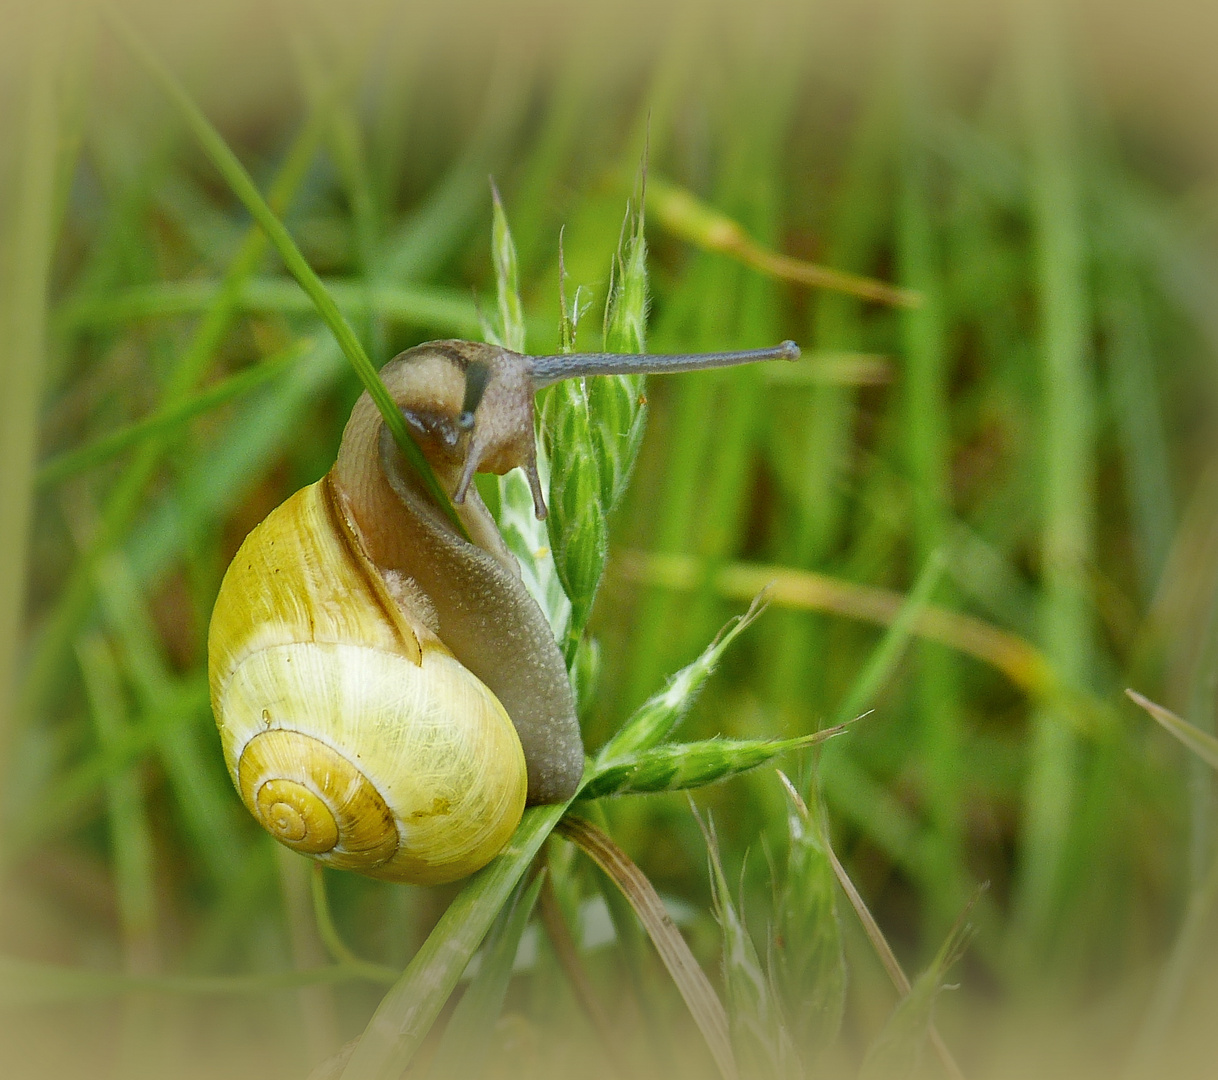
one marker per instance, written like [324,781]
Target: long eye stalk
[551,369]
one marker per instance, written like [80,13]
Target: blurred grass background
[1042,177]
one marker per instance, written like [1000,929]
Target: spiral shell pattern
[350,732]
[311,798]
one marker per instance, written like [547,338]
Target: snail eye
[442,431]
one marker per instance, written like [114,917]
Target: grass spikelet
[680,766]
[806,957]
[657,717]
[763,1046]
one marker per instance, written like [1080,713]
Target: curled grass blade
[695,988]
[338,949]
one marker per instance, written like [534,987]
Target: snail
[388,694]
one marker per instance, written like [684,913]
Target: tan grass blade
[683,214]
[699,995]
[804,590]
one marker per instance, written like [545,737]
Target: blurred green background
[1035,410]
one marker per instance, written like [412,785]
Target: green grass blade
[888,653]
[408,1010]
[466,1042]
[25,982]
[247,191]
[130,832]
[1067,434]
[961,933]
[338,949]
[430,307]
[169,420]
[1201,743]
[67,803]
[927,427]
[227,467]
[25,270]
[202,793]
[896,1051]
[123,501]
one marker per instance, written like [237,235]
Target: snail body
[388,694]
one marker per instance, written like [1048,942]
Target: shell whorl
[310,797]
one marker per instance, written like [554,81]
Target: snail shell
[350,731]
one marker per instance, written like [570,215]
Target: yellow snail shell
[351,732]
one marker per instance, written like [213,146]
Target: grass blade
[682,213]
[697,991]
[892,646]
[807,962]
[897,1049]
[427,306]
[338,949]
[123,501]
[1068,433]
[408,1010]
[466,1042]
[247,191]
[25,270]
[804,590]
[170,419]
[130,834]
[1201,743]
[26,982]
[887,957]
